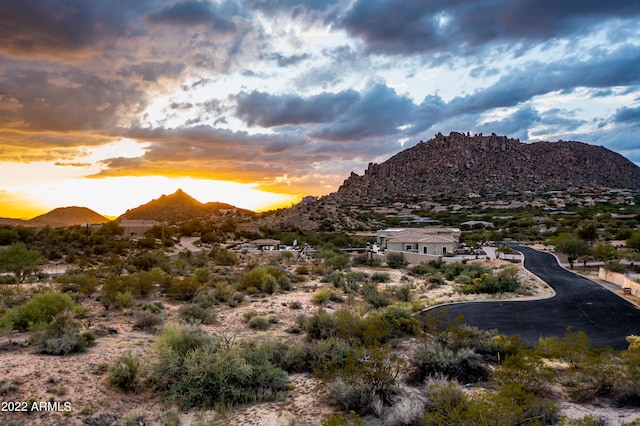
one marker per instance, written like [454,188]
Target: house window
[444,250]
[408,247]
[424,249]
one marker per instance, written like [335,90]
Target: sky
[109,104]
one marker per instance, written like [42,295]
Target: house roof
[421,235]
[266,242]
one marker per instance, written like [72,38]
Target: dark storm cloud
[378,112]
[286,61]
[66,100]
[190,13]
[153,71]
[407,26]
[342,116]
[627,115]
[620,68]
[263,109]
[47,27]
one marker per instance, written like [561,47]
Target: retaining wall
[621,279]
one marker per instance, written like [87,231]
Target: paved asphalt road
[579,303]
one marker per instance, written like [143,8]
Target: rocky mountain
[180,206]
[61,217]
[459,165]
[460,168]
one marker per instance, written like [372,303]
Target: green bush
[396,260]
[403,293]
[39,310]
[151,307]
[226,258]
[183,289]
[616,267]
[380,277]
[320,325]
[61,337]
[431,358]
[259,322]
[321,296]
[350,396]
[124,300]
[220,376]
[526,370]
[374,297]
[505,281]
[124,372]
[148,321]
[196,314]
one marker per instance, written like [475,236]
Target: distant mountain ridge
[458,165]
[60,217]
[180,206]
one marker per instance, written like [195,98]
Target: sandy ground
[81,381]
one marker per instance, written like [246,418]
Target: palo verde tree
[20,260]
[572,246]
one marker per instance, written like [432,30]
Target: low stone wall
[415,258]
[621,279]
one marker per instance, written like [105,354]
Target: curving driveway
[579,303]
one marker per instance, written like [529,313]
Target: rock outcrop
[459,164]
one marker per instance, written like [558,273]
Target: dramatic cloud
[292,95]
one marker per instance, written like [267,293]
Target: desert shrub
[148,321]
[616,267]
[61,337]
[295,305]
[403,293]
[154,308]
[380,277]
[322,357]
[219,376]
[269,284]
[602,376]
[196,314]
[407,411]
[447,404]
[320,325]
[349,396]
[123,300]
[205,297]
[183,289]
[321,296]
[85,283]
[397,321]
[179,339]
[526,370]
[574,347]
[431,358]
[124,372]
[374,297]
[259,322]
[264,278]
[284,283]
[504,281]
[458,336]
[225,257]
[396,260]
[40,309]
[339,262]
[368,377]
[343,420]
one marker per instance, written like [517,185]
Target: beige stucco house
[432,240]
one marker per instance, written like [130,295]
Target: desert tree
[20,260]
